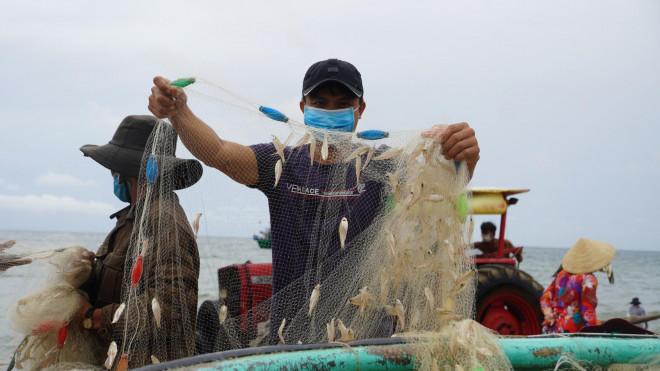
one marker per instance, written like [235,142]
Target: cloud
[54,179]
[104,116]
[51,204]
[8,186]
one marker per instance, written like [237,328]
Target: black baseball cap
[333,70]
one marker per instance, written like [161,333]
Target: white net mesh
[368,240]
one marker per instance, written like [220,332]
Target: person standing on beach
[569,303]
[332,99]
[637,310]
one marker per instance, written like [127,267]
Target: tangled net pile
[43,316]
[391,264]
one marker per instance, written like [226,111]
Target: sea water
[635,272]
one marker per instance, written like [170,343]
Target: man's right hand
[165,100]
[236,160]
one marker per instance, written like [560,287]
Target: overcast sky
[564,96]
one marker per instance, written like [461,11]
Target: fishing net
[369,239]
[369,235]
[42,316]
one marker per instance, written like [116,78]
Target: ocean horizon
[7,232]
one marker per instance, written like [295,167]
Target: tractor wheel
[508,300]
[211,335]
[207,327]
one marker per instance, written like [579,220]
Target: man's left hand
[458,141]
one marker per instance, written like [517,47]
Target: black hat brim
[126,161]
[355,91]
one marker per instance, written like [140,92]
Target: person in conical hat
[569,302]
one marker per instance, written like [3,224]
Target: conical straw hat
[587,256]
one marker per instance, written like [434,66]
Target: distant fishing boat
[264,240]
[263,243]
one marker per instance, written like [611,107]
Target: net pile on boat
[376,248]
[42,316]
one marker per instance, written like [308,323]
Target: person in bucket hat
[569,302]
[125,156]
[637,310]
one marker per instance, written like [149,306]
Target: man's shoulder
[167,209]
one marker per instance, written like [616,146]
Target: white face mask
[486,237]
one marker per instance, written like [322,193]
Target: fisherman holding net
[312,191]
[134,302]
[154,313]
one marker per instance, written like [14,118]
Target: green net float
[182,83]
[462,207]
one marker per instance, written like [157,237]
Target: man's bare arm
[235,160]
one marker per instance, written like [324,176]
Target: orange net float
[137,271]
[123,363]
[137,267]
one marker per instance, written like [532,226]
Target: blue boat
[524,352]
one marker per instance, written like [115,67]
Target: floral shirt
[572,299]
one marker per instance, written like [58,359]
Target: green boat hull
[524,353]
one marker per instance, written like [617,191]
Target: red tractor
[507,298]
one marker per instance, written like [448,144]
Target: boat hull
[524,353]
[262,242]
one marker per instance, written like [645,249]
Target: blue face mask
[338,120]
[122,190]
